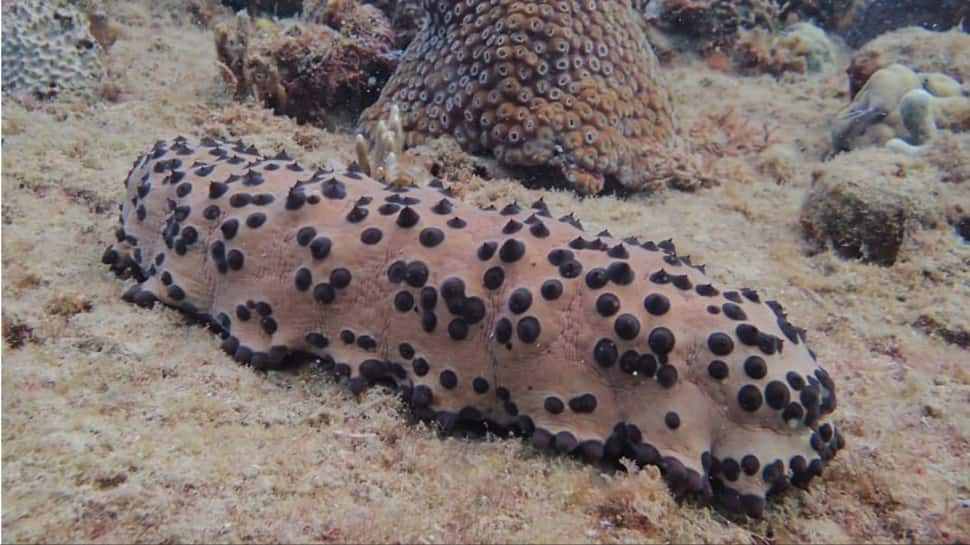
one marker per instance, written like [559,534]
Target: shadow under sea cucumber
[509,319]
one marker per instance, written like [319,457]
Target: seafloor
[128,425]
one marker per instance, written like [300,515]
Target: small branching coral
[379,158]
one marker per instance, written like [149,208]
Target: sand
[128,425]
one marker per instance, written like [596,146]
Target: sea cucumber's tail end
[140,296]
[119,259]
[123,256]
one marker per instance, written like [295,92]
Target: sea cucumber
[570,85]
[508,320]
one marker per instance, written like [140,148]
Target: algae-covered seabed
[124,424]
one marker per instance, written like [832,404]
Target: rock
[802,48]
[861,67]
[405,16]
[712,25]
[863,205]
[352,19]
[17,333]
[922,50]
[962,227]
[958,334]
[205,12]
[406,19]
[916,113]
[876,102]
[827,14]
[901,109]
[278,8]
[933,410]
[872,18]
[811,43]
[941,85]
[950,153]
[313,73]
[959,218]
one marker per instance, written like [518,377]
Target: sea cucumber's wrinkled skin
[567,84]
[507,320]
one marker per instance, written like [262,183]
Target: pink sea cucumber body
[508,320]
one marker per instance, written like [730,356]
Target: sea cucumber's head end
[756,463]
[777,429]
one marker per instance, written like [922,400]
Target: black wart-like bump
[626,326]
[661,340]
[605,352]
[371,236]
[303,279]
[528,329]
[320,247]
[334,189]
[431,237]
[229,228]
[493,278]
[720,344]
[416,274]
[554,405]
[656,304]
[520,300]
[408,218]
[511,251]
[585,403]
[607,305]
[487,250]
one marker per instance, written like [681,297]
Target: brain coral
[48,49]
[503,320]
[568,84]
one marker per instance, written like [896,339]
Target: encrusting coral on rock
[923,51]
[571,86]
[871,18]
[827,14]
[311,72]
[353,20]
[902,109]
[278,8]
[502,320]
[865,205]
[803,48]
[715,25]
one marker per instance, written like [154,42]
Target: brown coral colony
[572,85]
[506,320]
